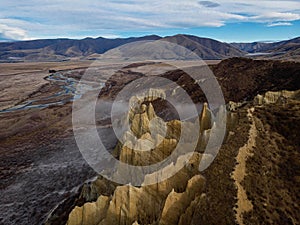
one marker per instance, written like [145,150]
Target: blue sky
[225,20]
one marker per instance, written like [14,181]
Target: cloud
[12,33]
[279,24]
[209,4]
[277,16]
[76,18]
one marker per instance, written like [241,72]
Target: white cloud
[75,17]
[13,33]
[279,24]
[277,16]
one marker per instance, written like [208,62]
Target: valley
[42,170]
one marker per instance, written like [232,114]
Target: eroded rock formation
[149,140]
[165,202]
[252,153]
[272,97]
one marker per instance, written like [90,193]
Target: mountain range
[289,49]
[90,48]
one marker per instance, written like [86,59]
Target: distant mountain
[91,48]
[250,47]
[288,49]
[284,46]
[64,49]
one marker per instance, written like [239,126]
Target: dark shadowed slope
[242,79]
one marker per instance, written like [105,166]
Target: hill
[64,49]
[206,48]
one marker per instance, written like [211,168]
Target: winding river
[70,88]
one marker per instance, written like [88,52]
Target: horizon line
[130,36]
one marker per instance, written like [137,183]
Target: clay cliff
[251,175]
[171,201]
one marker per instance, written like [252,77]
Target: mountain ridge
[63,49]
[287,49]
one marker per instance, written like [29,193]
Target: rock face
[272,97]
[162,203]
[89,213]
[205,119]
[149,140]
[142,148]
[177,204]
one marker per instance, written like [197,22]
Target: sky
[224,20]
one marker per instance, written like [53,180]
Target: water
[70,88]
